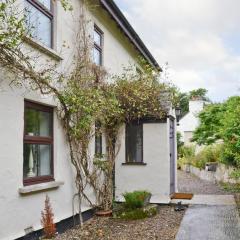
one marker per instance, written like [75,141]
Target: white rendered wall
[155,176]
[20,212]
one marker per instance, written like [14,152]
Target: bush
[235,174]
[186,151]
[211,153]
[138,213]
[185,154]
[135,199]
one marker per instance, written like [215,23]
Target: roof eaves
[128,30]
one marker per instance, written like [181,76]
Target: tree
[221,121]
[184,103]
[210,122]
[199,93]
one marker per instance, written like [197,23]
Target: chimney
[196,105]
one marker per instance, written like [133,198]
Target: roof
[116,14]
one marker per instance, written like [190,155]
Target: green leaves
[221,121]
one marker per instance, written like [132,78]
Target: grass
[235,189]
[230,187]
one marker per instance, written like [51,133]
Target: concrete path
[209,200]
[203,222]
[211,215]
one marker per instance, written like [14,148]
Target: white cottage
[147,158]
[190,121]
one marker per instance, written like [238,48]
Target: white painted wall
[153,177]
[19,212]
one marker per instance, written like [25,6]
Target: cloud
[198,38]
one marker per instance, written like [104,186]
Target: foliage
[208,154]
[187,151]
[179,141]
[47,220]
[235,174]
[230,130]
[185,97]
[185,155]
[221,121]
[83,97]
[138,213]
[212,153]
[231,187]
[210,123]
[183,103]
[135,199]
[199,93]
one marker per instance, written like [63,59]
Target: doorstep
[207,200]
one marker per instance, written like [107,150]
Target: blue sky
[200,39]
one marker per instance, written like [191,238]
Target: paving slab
[208,200]
[202,222]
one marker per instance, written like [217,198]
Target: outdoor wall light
[178,114]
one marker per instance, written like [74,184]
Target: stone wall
[222,173]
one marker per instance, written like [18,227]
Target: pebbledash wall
[21,211]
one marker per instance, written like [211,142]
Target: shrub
[47,222]
[235,174]
[186,155]
[208,154]
[212,153]
[186,151]
[135,199]
[138,213]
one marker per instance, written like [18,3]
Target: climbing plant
[84,96]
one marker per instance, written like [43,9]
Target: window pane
[97,38]
[97,56]
[134,143]
[46,3]
[38,123]
[38,25]
[37,160]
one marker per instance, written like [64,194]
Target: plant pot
[147,200]
[104,213]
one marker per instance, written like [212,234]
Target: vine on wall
[84,96]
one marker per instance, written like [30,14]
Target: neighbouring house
[35,155]
[190,121]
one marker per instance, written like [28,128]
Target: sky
[199,39]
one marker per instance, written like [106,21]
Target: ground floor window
[38,143]
[134,142]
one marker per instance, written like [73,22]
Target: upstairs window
[134,143]
[39,20]
[98,46]
[38,144]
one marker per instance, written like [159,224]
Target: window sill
[39,187]
[41,47]
[135,163]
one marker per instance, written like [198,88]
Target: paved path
[210,216]
[202,222]
[187,182]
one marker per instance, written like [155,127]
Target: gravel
[163,226]
[189,183]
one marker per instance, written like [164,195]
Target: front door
[172,155]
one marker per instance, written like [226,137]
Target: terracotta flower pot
[104,213]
